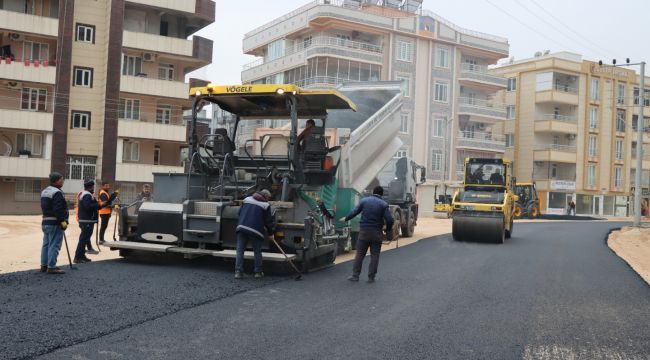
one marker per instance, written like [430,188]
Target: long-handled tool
[67,250]
[299,277]
[97,237]
[117,218]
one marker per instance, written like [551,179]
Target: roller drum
[478,229]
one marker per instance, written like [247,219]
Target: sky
[597,29]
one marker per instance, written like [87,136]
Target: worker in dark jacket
[374,211]
[55,221]
[87,214]
[255,225]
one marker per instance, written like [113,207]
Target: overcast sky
[597,29]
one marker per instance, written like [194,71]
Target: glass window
[595,88]
[404,51]
[80,167]
[35,51]
[30,142]
[440,92]
[156,155]
[85,33]
[28,190]
[129,109]
[166,72]
[83,77]
[163,114]
[80,120]
[557,200]
[131,151]
[618,176]
[510,112]
[593,117]
[584,204]
[510,140]
[439,127]
[275,50]
[646,97]
[619,149]
[404,126]
[620,120]
[400,154]
[591,175]
[512,84]
[131,65]
[406,84]
[544,81]
[436,161]
[33,99]
[621,94]
[593,146]
[442,57]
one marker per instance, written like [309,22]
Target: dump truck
[196,213]
[527,204]
[483,210]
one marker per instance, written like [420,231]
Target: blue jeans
[84,239]
[242,242]
[52,238]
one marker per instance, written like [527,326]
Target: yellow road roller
[483,208]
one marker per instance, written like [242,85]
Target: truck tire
[533,211]
[408,226]
[517,212]
[397,216]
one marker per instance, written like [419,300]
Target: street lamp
[639,139]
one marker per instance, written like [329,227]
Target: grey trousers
[372,240]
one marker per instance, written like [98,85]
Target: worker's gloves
[64,225]
[389,234]
[117,206]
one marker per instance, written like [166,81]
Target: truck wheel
[533,212]
[397,224]
[408,226]
[518,211]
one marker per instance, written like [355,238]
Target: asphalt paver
[553,291]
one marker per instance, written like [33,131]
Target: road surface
[553,291]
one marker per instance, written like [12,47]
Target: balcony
[27,23]
[136,172]
[318,46]
[147,130]
[556,123]
[24,167]
[481,141]
[555,153]
[198,48]
[18,71]
[486,109]
[559,94]
[188,6]
[26,120]
[477,75]
[147,86]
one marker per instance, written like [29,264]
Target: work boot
[259,275]
[92,252]
[86,259]
[239,275]
[354,278]
[55,270]
[43,268]
[371,279]
[78,261]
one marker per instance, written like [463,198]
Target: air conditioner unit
[149,57]
[14,85]
[16,36]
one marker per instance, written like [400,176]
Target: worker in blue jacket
[374,211]
[254,226]
[87,215]
[55,222]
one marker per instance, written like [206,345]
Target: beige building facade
[571,128]
[94,89]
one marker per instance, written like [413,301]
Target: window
[618,176]
[35,51]
[28,190]
[620,120]
[595,85]
[436,161]
[80,120]
[33,99]
[591,175]
[306,41]
[400,154]
[163,114]
[646,97]
[275,50]
[406,84]
[80,167]
[131,151]
[342,40]
[404,51]
[512,84]
[404,126]
[131,65]
[440,92]
[593,146]
[442,57]
[85,33]
[553,171]
[30,142]
[166,72]
[510,112]
[129,109]
[593,117]
[83,76]
[510,140]
[619,149]
[439,127]
[156,155]
[621,94]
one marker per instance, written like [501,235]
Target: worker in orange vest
[87,209]
[104,213]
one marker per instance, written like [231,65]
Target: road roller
[482,211]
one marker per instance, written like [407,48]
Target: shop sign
[551,211]
[563,185]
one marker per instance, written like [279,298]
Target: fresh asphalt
[553,291]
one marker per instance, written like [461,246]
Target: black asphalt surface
[553,291]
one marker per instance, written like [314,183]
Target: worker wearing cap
[87,208]
[55,222]
[255,225]
[374,211]
[104,213]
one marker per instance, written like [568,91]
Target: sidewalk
[633,246]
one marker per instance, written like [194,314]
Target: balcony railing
[320,81]
[28,23]
[481,140]
[556,147]
[150,130]
[566,118]
[28,71]
[28,120]
[565,88]
[481,107]
[148,86]
[24,167]
[137,172]
[480,73]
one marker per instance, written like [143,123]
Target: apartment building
[571,129]
[94,89]
[449,110]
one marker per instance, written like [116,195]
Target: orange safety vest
[107,210]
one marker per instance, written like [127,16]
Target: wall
[9,205]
